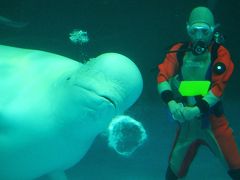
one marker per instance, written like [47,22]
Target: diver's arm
[168,69]
[201,107]
[222,71]
[165,91]
[163,86]
[168,97]
[211,99]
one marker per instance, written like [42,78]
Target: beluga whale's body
[52,107]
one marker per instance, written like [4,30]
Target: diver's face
[200,32]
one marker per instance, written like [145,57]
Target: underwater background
[142,30]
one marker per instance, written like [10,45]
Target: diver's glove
[176,110]
[190,113]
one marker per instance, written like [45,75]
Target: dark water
[141,30]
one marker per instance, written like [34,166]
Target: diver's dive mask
[201,35]
[199,29]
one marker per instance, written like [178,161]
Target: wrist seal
[167,96]
[203,106]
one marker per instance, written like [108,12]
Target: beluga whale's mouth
[109,100]
[105,98]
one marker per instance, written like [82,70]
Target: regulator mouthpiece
[199,48]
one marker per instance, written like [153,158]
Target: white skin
[52,108]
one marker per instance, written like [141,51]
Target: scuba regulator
[199,48]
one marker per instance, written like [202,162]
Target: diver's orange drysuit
[218,136]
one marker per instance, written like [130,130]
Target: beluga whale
[53,107]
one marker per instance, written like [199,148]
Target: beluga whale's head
[112,77]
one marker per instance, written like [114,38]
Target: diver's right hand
[176,110]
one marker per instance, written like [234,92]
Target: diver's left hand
[190,113]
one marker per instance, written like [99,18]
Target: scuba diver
[191,81]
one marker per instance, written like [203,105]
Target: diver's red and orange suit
[217,134]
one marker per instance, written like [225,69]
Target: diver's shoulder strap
[214,51]
[181,52]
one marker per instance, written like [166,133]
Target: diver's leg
[227,144]
[183,153]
